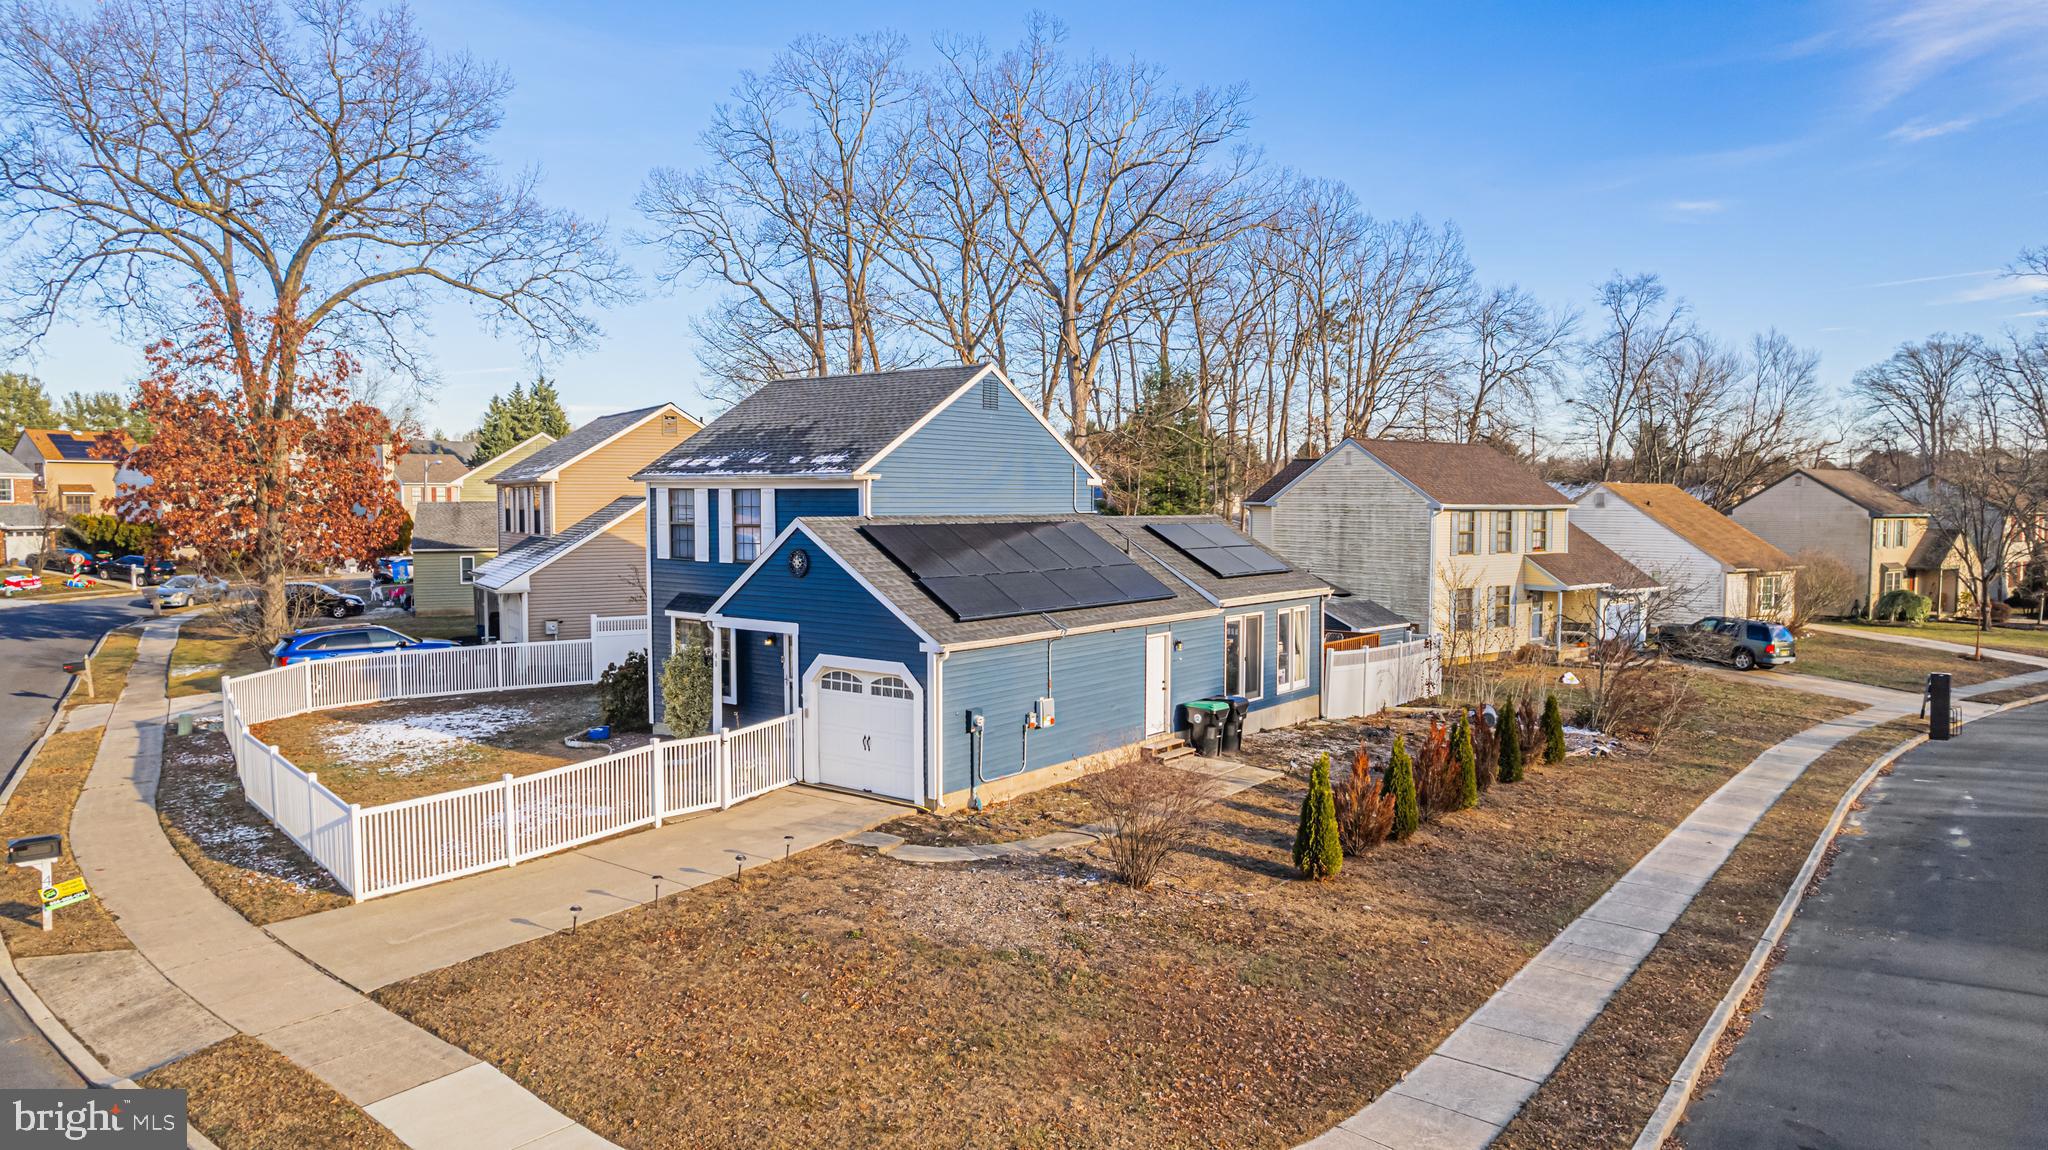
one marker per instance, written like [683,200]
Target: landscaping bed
[242,856]
[246,1096]
[1895,665]
[406,748]
[2024,640]
[1617,1073]
[843,998]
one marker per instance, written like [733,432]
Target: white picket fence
[390,847]
[1368,680]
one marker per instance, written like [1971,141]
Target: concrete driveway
[1911,1006]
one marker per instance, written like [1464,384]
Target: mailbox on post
[40,852]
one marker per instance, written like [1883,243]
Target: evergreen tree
[102,411]
[494,434]
[1553,730]
[686,687]
[1401,777]
[1510,739]
[1164,458]
[546,406]
[1317,850]
[1468,765]
[23,403]
[521,421]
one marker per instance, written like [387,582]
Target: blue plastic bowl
[598,734]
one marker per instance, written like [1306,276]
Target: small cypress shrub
[1401,776]
[1485,748]
[1365,810]
[1553,730]
[1468,765]
[1317,850]
[1510,746]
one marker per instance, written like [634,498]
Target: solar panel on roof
[1224,552]
[997,570]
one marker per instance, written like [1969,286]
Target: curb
[1671,1109]
[20,767]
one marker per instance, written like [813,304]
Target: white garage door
[866,733]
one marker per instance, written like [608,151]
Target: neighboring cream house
[429,477]
[572,528]
[1458,537]
[22,522]
[1945,549]
[476,485]
[1707,563]
[1880,535]
[71,476]
[449,542]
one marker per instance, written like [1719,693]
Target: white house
[1707,563]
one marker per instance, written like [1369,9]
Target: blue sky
[1855,174]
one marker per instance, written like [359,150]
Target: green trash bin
[1206,718]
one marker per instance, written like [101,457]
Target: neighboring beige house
[22,522]
[70,478]
[1945,549]
[1879,534]
[476,486]
[571,528]
[429,477]
[1708,563]
[1458,537]
[449,542]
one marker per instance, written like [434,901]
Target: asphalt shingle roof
[529,555]
[430,467]
[455,527]
[1587,562]
[1281,478]
[562,450]
[845,537]
[22,515]
[813,425]
[1861,490]
[13,468]
[1133,529]
[74,446]
[1702,526]
[1358,613]
[1465,474]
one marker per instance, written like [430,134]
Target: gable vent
[991,394]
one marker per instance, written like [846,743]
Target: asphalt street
[1910,1009]
[36,640]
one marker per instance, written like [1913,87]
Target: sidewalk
[1478,1079]
[202,972]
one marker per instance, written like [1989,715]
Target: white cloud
[1914,131]
[2004,287]
[2041,314]
[1935,279]
[2003,44]
[1693,209]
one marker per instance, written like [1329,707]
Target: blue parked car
[346,641]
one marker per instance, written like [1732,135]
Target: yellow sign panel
[70,890]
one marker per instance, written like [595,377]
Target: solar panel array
[998,570]
[1224,552]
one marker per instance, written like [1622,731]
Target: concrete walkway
[200,972]
[375,943]
[1478,1080]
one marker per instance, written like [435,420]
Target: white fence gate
[391,847]
[613,637]
[1368,680]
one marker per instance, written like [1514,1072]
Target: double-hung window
[7,489]
[1244,656]
[1461,609]
[1503,607]
[1503,532]
[1770,594]
[1539,531]
[467,565]
[1464,532]
[1293,649]
[1893,579]
[746,524]
[682,523]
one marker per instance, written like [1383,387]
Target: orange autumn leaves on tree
[257,481]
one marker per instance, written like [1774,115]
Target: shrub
[686,687]
[622,693]
[1510,746]
[1583,718]
[1485,738]
[1468,765]
[1902,606]
[1401,776]
[1317,850]
[1365,808]
[108,533]
[2001,611]
[1437,786]
[1553,730]
[1154,810]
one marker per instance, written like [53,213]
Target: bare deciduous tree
[1914,398]
[1640,333]
[1515,351]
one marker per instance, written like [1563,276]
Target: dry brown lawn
[846,999]
[1616,1074]
[242,856]
[42,805]
[1895,665]
[246,1096]
[399,750]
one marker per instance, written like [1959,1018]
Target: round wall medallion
[799,563]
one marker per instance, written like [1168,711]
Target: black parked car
[1744,643]
[302,599]
[146,572]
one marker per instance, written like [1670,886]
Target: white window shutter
[767,518]
[701,533]
[725,525]
[660,514]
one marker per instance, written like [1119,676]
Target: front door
[1158,683]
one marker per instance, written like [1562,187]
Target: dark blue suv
[345,641]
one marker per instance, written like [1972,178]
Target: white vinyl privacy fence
[391,847]
[1368,680]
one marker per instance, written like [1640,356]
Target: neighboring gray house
[1707,563]
[1877,533]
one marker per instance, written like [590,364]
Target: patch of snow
[422,740]
[198,669]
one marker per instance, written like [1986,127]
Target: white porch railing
[390,847]
[1368,680]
